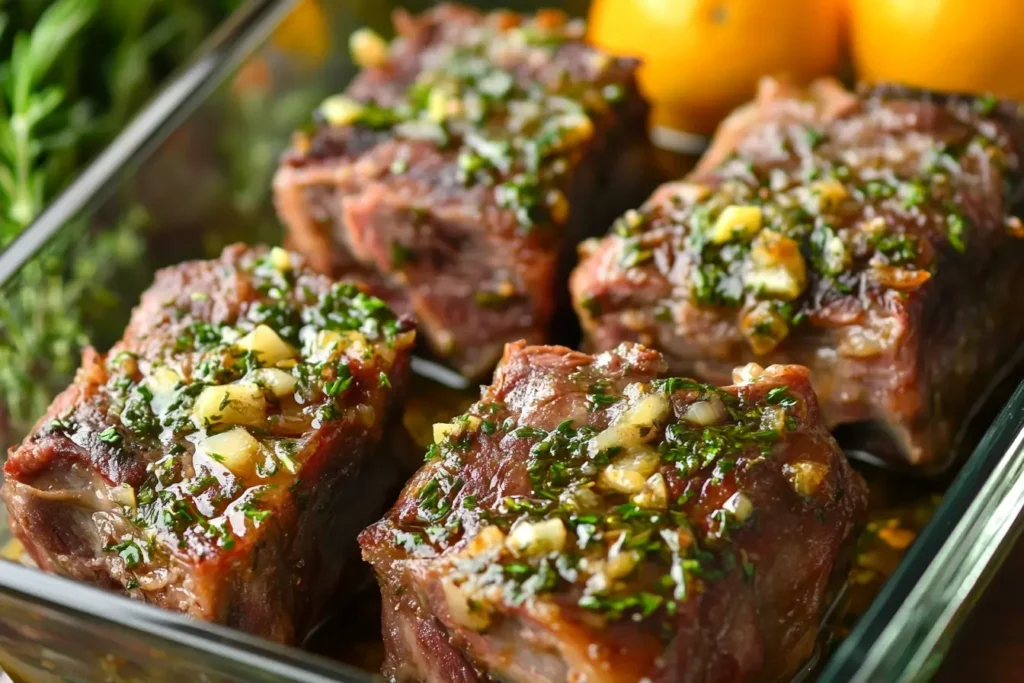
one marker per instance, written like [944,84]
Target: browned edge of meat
[461,168]
[221,459]
[586,520]
[868,236]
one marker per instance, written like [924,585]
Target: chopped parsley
[109,435]
[985,104]
[317,340]
[813,137]
[569,496]
[517,137]
[956,232]
[899,249]
[129,551]
[634,254]
[793,222]
[598,399]
[780,396]
[340,384]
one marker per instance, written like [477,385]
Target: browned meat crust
[585,521]
[868,237]
[458,175]
[220,460]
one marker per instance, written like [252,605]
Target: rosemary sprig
[77,71]
[34,119]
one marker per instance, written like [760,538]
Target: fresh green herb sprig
[54,116]
[43,317]
[37,126]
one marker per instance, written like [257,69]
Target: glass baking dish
[192,174]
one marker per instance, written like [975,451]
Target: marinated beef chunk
[221,459]
[461,168]
[588,521]
[869,237]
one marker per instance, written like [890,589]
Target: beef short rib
[461,168]
[587,521]
[221,459]
[867,236]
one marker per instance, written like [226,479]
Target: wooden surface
[990,646]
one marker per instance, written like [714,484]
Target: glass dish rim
[904,633]
[237,649]
[900,637]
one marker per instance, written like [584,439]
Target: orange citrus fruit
[704,57]
[950,45]
[304,32]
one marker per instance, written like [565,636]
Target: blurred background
[74,74]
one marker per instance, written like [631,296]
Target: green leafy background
[76,72]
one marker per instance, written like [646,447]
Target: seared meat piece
[865,236]
[460,169]
[221,459]
[585,521]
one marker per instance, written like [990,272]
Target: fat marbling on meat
[868,236]
[591,520]
[221,458]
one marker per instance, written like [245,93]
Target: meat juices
[868,237]
[221,459]
[587,521]
[460,169]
